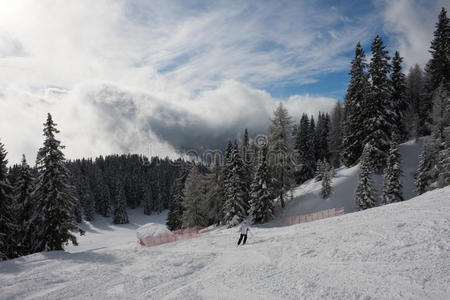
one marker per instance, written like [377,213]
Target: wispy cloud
[120,75]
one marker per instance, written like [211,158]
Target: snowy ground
[398,251]
[307,199]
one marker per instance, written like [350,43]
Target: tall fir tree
[55,195]
[438,67]
[194,205]
[236,196]
[280,151]
[414,119]
[215,193]
[398,100]
[365,193]
[23,193]
[326,180]
[426,172]
[378,115]
[120,212]
[321,137]
[335,137]
[261,205]
[8,227]
[175,215]
[304,166]
[392,188]
[353,129]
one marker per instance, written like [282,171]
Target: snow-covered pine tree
[398,100]
[415,84]
[365,196]
[194,206]
[120,212]
[261,205]
[87,200]
[335,137]
[304,169]
[319,169]
[312,143]
[8,226]
[353,129]
[236,196]
[378,115]
[392,188]
[215,194]
[175,215]
[247,160]
[23,194]
[55,195]
[440,132]
[438,68]
[280,150]
[426,172]
[321,140]
[326,180]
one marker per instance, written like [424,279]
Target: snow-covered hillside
[397,251]
[307,197]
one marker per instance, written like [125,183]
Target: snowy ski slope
[398,251]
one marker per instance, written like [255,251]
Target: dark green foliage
[365,196]
[120,212]
[8,227]
[392,189]
[55,194]
[261,197]
[353,129]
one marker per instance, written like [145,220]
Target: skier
[243,230]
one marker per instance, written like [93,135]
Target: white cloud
[120,75]
[412,23]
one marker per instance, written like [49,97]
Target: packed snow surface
[151,229]
[397,251]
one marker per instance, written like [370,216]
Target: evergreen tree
[392,189]
[353,128]
[379,118]
[304,166]
[326,180]
[365,192]
[8,227]
[319,169]
[55,195]
[215,194]
[280,150]
[120,212]
[235,206]
[194,206]
[321,137]
[23,192]
[261,206]
[148,200]
[414,120]
[335,137]
[427,172]
[175,215]
[438,67]
[398,100]
[87,200]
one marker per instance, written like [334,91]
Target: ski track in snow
[398,251]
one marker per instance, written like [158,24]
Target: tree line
[40,206]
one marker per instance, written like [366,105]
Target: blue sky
[182,74]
